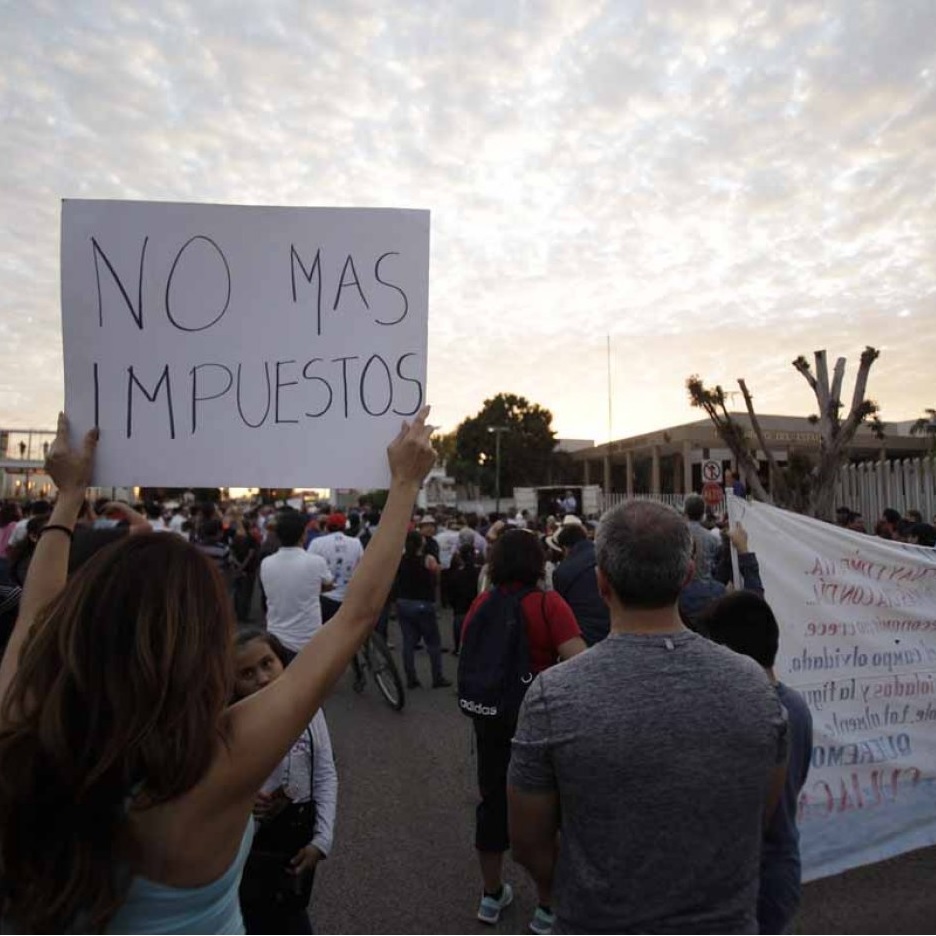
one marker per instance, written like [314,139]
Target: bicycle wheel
[385,672]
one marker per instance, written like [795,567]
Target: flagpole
[610,436]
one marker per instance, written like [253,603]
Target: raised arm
[70,469]
[747,561]
[136,522]
[262,726]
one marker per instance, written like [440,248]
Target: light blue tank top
[214,908]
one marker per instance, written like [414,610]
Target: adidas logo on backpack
[475,708]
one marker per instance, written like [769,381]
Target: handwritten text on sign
[858,641]
[222,345]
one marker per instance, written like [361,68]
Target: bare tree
[815,498]
[712,400]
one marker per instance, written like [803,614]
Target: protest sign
[857,619]
[220,345]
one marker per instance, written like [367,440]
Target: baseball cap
[336,521]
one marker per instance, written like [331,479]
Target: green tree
[526,447]
[808,488]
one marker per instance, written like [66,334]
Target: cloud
[719,186]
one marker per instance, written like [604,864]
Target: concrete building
[669,461]
[22,467]
[22,461]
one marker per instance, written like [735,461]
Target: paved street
[404,863]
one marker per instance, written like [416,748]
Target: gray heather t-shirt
[661,749]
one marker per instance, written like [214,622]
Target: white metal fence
[868,487]
[904,484]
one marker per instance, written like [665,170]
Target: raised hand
[68,467]
[410,454]
[739,539]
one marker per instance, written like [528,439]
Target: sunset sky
[720,186]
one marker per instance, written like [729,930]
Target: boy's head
[743,622]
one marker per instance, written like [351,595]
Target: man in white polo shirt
[293,581]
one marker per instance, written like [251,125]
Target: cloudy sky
[719,186]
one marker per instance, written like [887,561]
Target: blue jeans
[418,619]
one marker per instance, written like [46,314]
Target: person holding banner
[745,623]
[126,781]
[698,595]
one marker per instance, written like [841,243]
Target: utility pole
[498,432]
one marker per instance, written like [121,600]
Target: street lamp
[498,432]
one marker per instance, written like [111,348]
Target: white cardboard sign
[221,345]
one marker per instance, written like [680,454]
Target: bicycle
[375,656]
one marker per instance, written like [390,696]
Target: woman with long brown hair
[126,783]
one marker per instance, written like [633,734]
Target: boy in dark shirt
[744,622]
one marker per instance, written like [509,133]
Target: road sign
[712,493]
[711,471]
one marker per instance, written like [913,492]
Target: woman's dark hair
[121,685]
[246,635]
[414,544]
[517,556]
[745,623]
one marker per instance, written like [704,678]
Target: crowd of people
[166,765]
[909,527]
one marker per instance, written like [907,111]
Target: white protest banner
[857,621]
[221,345]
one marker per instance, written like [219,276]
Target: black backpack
[494,669]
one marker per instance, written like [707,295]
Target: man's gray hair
[645,551]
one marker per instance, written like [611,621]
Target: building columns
[630,473]
[587,472]
[655,470]
[607,474]
[687,467]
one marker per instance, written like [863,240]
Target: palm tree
[926,425]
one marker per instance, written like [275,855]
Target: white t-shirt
[342,553]
[292,582]
[19,531]
[448,546]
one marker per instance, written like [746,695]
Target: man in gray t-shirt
[661,751]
